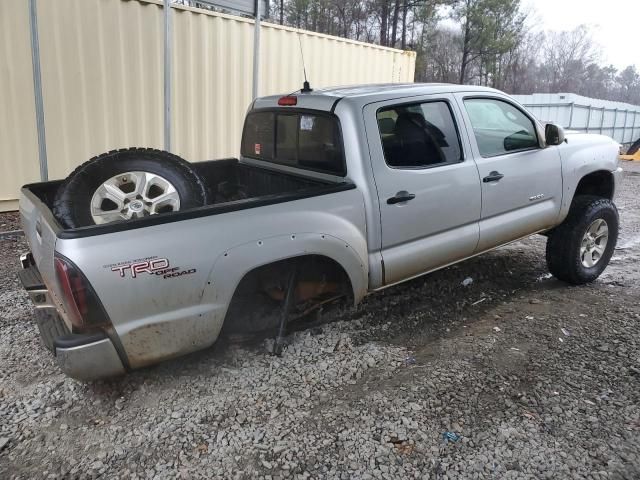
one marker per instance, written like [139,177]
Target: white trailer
[620,121]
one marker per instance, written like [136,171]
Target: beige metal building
[102,63]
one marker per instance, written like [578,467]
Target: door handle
[401,197]
[493,177]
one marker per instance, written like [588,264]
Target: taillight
[288,101]
[80,301]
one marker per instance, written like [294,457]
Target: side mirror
[554,134]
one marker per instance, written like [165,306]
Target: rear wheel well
[257,301]
[599,184]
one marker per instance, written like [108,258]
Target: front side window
[419,135]
[500,127]
[298,139]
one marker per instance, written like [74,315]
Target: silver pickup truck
[340,192]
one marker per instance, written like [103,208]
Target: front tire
[580,248]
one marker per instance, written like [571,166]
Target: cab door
[429,191]
[521,177]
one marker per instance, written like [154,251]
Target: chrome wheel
[594,243]
[133,195]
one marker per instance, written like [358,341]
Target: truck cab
[451,171]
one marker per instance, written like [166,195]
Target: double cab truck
[336,192]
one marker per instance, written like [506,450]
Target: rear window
[298,139]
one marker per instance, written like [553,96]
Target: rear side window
[419,135]
[298,139]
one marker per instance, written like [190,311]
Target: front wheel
[580,248]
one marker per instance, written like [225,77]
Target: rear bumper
[88,357]
[80,356]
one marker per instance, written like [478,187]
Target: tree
[442,64]
[489,28]
[519,67]
[567,56]
[629,82]
[600,82]
[492,42]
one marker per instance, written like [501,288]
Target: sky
[615,24]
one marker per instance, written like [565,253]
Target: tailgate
[40,228]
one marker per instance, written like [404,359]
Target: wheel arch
[599,183]
[235,264]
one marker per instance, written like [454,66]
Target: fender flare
[571,189]
[232,266]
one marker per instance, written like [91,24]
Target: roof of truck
[377,88]
[325,98]
[382,88]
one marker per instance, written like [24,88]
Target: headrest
[386,125]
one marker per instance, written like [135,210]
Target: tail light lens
[80,301]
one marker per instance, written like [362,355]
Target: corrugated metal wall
[102,80]
[18,135]
[620,121]
[212,78]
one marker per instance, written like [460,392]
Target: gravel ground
[531,377]
[9,222]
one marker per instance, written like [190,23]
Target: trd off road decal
[159,267]
[175,272]
[138,267]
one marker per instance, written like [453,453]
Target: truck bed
[234,185]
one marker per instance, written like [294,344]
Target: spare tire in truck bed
[128,184]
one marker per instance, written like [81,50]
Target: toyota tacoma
[336,193]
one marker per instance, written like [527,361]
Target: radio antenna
[306,88]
